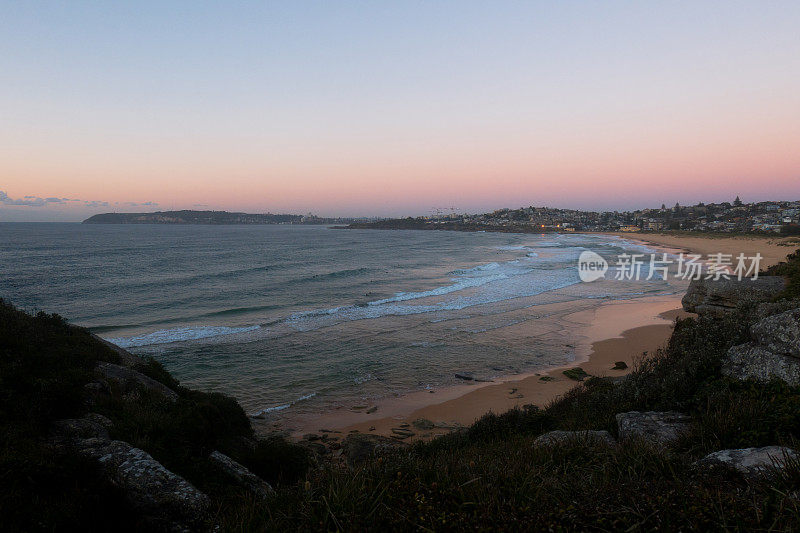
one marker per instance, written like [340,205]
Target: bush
[791,270]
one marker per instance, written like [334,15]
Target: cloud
[137,204]
[35,201]
[31,201]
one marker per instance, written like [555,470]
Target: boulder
[589,437]
[765,309]
[130,380]
[774,352]
[126,358]
[751,361]
[100,419]
[162,496]
[359,447]
[659,428]
[715,298]
[241,475]
[751,461]
[423,423]
[779,333]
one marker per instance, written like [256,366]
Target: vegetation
[44,365]
[790,269]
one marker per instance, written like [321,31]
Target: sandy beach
[772,249]
[616,331]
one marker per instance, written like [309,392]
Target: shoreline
[617,330]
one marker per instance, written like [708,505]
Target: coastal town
[781,217]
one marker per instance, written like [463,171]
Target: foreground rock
[168,501]
[242,475]
[359,447]
[423,424]
[715,298]
[750,361]
[774,352]
[660,428]
[131,381]
[751,461]
[164,497]
[779,333]
[590,437]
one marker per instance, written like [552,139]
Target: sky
[394,108]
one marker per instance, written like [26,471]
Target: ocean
[296,320]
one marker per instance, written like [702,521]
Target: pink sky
[549,107]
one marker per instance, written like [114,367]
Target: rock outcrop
[751,461]
[750,361]
[241,475]
[590,437]
[131,381]
[779,333]
[774,352]
[165,498]
[126,358]
[715,298]
[660,428]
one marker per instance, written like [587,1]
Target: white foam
[283,406]
[440,291]
[166,336]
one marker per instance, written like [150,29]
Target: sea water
[298,319]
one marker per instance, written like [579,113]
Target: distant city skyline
[394,109]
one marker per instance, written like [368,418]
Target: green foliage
[276,460]
[44,365]
[791,270]
[156,370]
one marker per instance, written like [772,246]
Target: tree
[737,202]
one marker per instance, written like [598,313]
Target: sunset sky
[394,108]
